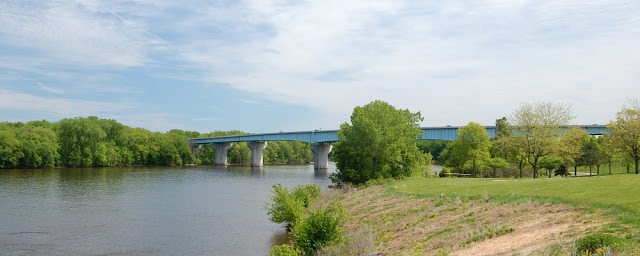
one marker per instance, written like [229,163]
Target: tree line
[380,143]
[96,142]
[537,139]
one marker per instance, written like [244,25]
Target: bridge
[320,141]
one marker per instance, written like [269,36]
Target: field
[601,191]
[467,216]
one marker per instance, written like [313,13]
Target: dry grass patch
[405,225]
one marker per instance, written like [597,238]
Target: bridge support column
[321,155]
[256,152]
[220,150]
[194,150]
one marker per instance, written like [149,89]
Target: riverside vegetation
[418,216]
[96,142]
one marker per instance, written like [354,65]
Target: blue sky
[267,66]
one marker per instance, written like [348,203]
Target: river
[202,210]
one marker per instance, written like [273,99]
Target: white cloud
[453,61]
[46,88]
[68,32]
[11,100]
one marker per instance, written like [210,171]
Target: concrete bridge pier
[220,150]
[256,152]
[321,155]
[194,150]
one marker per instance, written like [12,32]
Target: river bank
[385,221]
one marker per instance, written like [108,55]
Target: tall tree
[539,125]
[470,148]
[380,142]
[625,131]
[591,154]
[509,147]
[570,147]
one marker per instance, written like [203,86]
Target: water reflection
[257,171]
[281,237]
[321,173]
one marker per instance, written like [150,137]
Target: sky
[283,65]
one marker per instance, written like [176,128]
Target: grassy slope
[616,195]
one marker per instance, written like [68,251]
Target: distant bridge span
[321,140]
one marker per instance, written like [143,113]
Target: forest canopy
[96,142]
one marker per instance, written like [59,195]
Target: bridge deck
[330,136]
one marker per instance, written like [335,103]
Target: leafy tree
[39,147]
[10,149]
[496,163]
[79,139]
[379,143]
[570,147]
[591,154]
[508,146]
[470,148]
[550,163]
[609,151]
[539,126]
[625,132]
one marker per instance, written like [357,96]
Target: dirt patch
[405,225]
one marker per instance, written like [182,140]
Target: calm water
[143,211]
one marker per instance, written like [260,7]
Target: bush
[562,171]
[318,229]
[284,250]
[306,193]
[591,243]
[288,206]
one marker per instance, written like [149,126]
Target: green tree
[10,148]
[496,163]
[379,143]
[625,132]
[570,147]
[608,150]
[591,154]
[550,163]
[39,147]
[470,148]
[79,139]
[539,126]
[508,146]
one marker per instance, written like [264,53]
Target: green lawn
[622,190]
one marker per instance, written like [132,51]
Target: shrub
[591,243]
[306,193]
[288,206]
[562,171]
[284,250]
[318,229]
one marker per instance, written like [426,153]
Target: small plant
[289,206]
[284,250]
[318,229]
[596,244]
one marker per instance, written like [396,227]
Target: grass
[617,196]
[622,191]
